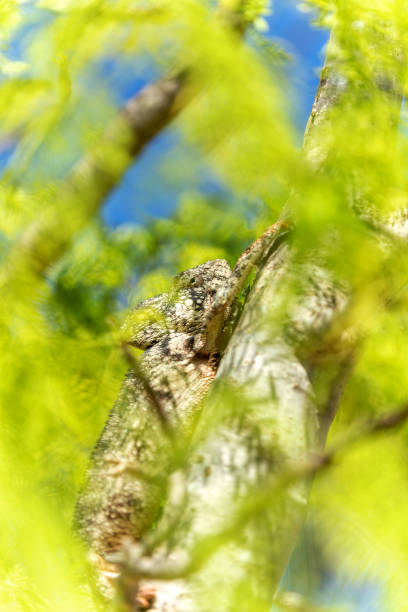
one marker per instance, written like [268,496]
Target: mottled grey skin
[159,403]
[126,481]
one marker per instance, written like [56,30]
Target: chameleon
[145,438]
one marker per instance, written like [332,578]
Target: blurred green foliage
[60,354]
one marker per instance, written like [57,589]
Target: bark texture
[234,518]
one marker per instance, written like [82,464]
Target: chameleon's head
[209,276]
[196,292]
[183,309]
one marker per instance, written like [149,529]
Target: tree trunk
[231,533]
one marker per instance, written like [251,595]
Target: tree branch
[143,117]
[94,176]
[272,418]
[254,505]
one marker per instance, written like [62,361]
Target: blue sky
[140,195]
[305,43]
[149,188]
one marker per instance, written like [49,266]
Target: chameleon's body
[178,366]
[159,401]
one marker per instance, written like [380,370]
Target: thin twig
[254,504]
[154,400]
[294,602]
[335,395]
[120,466]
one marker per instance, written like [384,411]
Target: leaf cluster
[60,354]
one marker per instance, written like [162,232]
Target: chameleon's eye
[192,281]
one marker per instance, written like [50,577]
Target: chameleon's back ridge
[127,478]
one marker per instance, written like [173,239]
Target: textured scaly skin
[136,451]
[149,427]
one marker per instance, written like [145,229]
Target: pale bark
[233,528]
[260,418]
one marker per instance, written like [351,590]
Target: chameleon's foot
[107,574]
[145,598]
